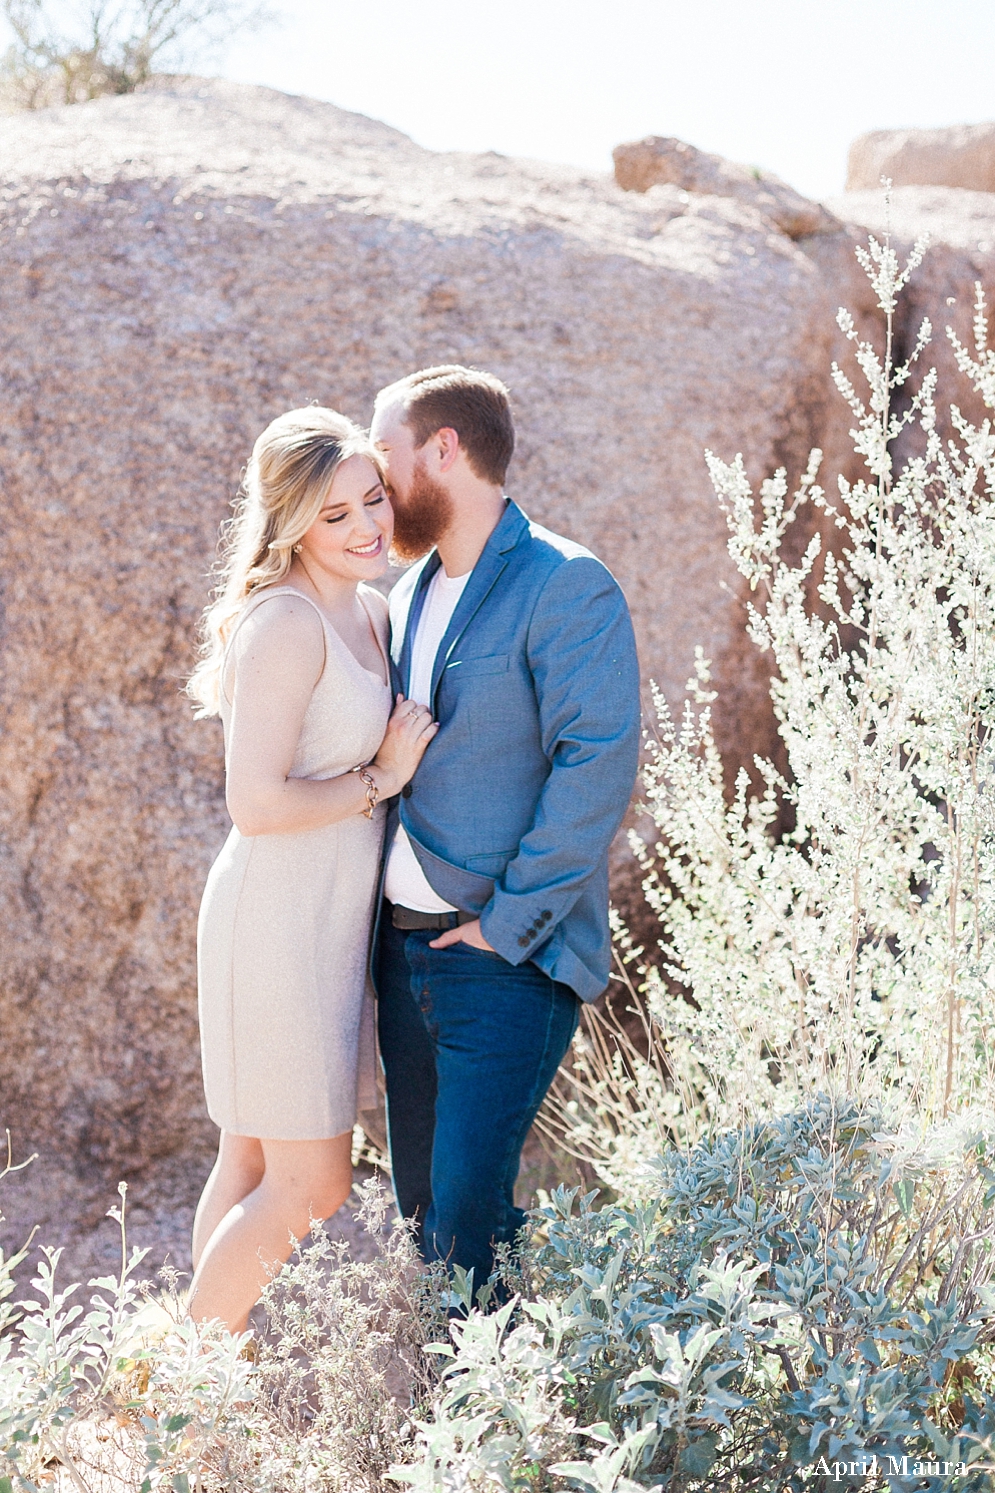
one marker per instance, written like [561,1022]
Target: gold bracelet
[372,791]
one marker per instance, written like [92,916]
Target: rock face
[962,156]
[660,160]
[178,267]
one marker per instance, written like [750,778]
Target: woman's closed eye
[336,518]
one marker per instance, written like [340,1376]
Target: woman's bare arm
[279,654]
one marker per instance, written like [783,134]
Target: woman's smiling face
[351,535]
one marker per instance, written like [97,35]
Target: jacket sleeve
[582,654]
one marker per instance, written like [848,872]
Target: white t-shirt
[405,882]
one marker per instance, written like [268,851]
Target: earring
[298,548]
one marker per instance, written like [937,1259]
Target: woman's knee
[300,1207]
[314,1177]
[325,1191]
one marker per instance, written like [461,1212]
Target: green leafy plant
[117,1388]
[809,1288]
[126,1393]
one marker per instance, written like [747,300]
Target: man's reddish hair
[474,404]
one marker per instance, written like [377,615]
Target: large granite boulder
[178,266]
[961,156]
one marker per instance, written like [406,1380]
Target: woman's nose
[366,526]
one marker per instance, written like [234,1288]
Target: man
[494,923]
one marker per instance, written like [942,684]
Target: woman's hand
[409,731]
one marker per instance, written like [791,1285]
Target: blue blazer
[518,797]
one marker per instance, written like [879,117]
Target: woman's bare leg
[302,1179]
[237,1172]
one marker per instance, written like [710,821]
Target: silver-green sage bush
[854,954]
[342,1369]
[802,1303]
[104,1393]
[124,1394]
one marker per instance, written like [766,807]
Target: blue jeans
[470,1044]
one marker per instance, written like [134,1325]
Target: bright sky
[782,84]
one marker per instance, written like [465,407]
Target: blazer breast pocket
[493,663]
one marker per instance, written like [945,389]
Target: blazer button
[407,791]
[523,941]
[546,915]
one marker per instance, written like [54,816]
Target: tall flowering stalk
[857,952]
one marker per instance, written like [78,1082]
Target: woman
[295,663]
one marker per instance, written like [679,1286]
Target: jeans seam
[518,1140]
[545,1047]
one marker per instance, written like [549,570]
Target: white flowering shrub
[856,953]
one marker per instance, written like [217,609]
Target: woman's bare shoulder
[285,617]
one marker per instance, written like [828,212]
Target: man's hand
[467,933]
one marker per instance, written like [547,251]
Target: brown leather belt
[410,921]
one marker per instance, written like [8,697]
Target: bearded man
[494,920]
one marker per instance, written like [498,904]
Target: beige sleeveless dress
[286,1017]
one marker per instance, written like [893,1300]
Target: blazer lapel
[414,616]
[492,562]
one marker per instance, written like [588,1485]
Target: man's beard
[423,518]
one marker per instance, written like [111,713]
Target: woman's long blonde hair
[286,482]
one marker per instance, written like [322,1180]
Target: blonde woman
[295,663]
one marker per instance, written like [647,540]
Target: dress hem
[251,1135]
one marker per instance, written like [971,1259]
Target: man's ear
[448,446]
